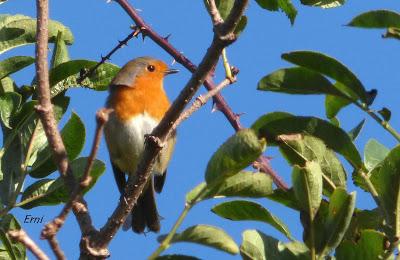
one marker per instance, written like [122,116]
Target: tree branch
[154,143]
[22,237]
[46,115]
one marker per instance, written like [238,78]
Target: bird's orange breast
[146,96]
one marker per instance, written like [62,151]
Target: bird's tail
[145,213]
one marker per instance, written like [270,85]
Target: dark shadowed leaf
[248,210]
[272,125]
[323,3]
[386,180]
[333,104]
[376,19]
[307,186]
[364,219]
[234,155]
[392,32]
[374,153]
[14,64]
[73,135]
[369,246]
[257,245]
[241,25]
[243,184]
[15,251]
[385,113]
[286,198]
[351,85]
[53,192]
[18,30]
[297,80]
[353,133]
[9,104]
[207,236]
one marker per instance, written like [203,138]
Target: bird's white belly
[125,140]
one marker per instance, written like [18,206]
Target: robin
[139,101]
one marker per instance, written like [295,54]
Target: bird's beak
[171,71]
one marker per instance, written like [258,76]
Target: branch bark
[22,237]
[158,137]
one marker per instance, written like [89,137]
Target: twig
[222,106]
[46,115]
[202,100]
[52,228]
[88,73]
[214,13]
[22,237]
[263,165]
[55,247]
[136,184]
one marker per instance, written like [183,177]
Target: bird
[138,102]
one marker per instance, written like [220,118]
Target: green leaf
[60,51]
[243,184]
[224,7]
[297,80]
[385,113]
[16,251]
[66,74]
[392,32]
[14,64]
[307,186]
[9,104]
[340,212]
[18,30]
[248,210]
[73,135]
[369,246]
[207,236]
[52,192]
[241,25]
[7,84]
[234,155]
[284,5]
[286,198]
[364,219]
[386,180]
[376,19]
[177,257]
[353,133]
[352,86]
[333,104]
[272,125]
[374,153]
[298,149]
[323,3]
[257,245]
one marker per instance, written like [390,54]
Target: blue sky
[97,26]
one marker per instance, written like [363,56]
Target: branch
[214,13]
[220,102]
[46,115]
[157,139]
[22,237]
[56,248]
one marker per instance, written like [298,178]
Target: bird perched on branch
[139,102]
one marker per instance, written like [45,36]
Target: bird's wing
[119,178]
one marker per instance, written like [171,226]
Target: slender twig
[262,164]
[22,237]
[55,247]
[88,73]
[46,115]
[227,67]
[157,139]
[202,100]
[220,102]
[214,13]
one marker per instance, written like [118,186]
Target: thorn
[167,37]
[214,107]
[173,62]
[239,114]
[139,10]
[109,1]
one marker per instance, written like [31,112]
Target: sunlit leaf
[333,104]
[376,19]
[14,64]
[284,5]
[323,3]
[374,153]
[353,133]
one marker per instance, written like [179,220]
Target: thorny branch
[220,102]
[22,237]
[136,184]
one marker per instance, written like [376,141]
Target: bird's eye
[151,68]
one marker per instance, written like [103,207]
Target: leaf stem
[385,124]
[228,71]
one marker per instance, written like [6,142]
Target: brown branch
[220,102]
[214,13]
[22,237]
[56,248]
[46,115]
[153,146]
[88,73]
[263,165]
